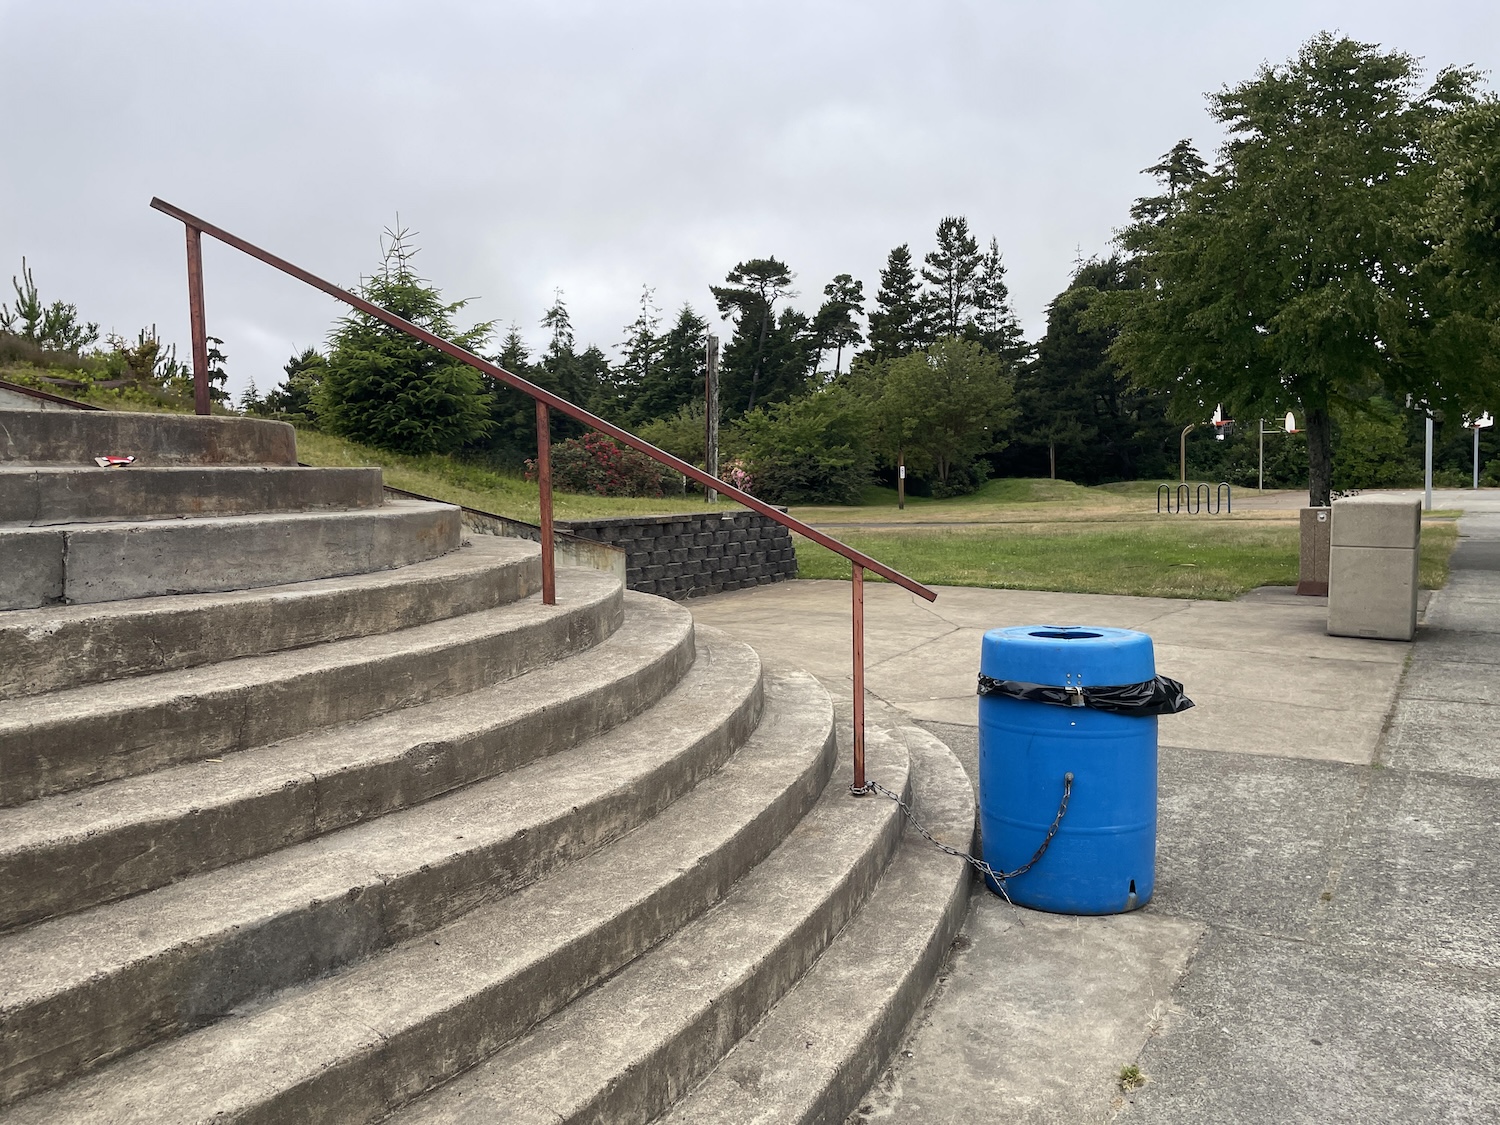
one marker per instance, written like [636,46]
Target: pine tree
[676,379]
[387,389]
[896,322]
[835,325]
[750,297]
[952,272]
[996,327]
[641,348]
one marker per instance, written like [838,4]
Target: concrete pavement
[1324,941]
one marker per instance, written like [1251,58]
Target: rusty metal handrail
[545,401]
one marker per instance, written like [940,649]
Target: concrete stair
[400,842]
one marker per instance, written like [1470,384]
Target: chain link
[978,865]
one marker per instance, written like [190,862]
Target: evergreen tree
[676,378]
[1077,405]
[952,271]
[749,297]
[996,327]
[387,389]
[835,325]
[896,323]
[642,349]
[298,393]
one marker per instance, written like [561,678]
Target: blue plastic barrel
[1103,858]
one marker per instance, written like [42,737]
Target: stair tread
[818,1051]
[156,720]
[52,646]
[41,496]
[322,780]
[380,1031]
[49,956]
[621,1051]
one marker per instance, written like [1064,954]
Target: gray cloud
[594,147]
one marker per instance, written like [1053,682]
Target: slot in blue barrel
[1103,857]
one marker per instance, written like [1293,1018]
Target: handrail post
[859,681]
[544,486]
[196,320]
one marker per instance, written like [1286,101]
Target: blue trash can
[1103,857]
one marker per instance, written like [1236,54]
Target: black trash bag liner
[1161,696]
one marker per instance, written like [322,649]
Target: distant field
[505,494]
[1011,534]
[1055,535]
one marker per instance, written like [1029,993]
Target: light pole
[1182,451]
[1427,467]
[1291,428]
[1483,422]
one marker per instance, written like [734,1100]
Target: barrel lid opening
[1065,633]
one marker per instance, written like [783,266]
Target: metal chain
[978,865]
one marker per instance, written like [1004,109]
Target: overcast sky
[594,147]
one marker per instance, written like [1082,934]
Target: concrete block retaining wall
[688,556]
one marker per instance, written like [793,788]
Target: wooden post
[544,486]
[1052,457]
[711,413]
[196,321]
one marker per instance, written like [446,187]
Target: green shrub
[812,450]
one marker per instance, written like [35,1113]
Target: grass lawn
[1011,534]
[505,494]
[1211,559]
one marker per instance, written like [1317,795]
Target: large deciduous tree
[387,389]
[1285,276]
[949,404]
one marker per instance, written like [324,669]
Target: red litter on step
[113,462]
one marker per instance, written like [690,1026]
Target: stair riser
[84,565]
[86,495]
[80,750]
[166,994]
[814,1057]
[44,654]
[647,1089]
[367,1085]
[86,871]
[69,437]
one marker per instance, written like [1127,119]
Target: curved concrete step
[629,1047]
[355,1044]
[818,1052]
[60,647]
[76,437]
[75,850]
[81,563]
[40,496]
[71,739]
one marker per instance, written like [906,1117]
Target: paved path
[1324,944]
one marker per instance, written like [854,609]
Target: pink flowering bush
[600,465]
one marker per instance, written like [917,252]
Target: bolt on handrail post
[196,319]
[859,680]
[544,487]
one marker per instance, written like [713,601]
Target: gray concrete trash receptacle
[1372,567]
[1312,557]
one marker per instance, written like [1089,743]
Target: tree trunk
[1319,458]
[1052,457]
[760,351]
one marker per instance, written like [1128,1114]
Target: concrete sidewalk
[1324,940]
